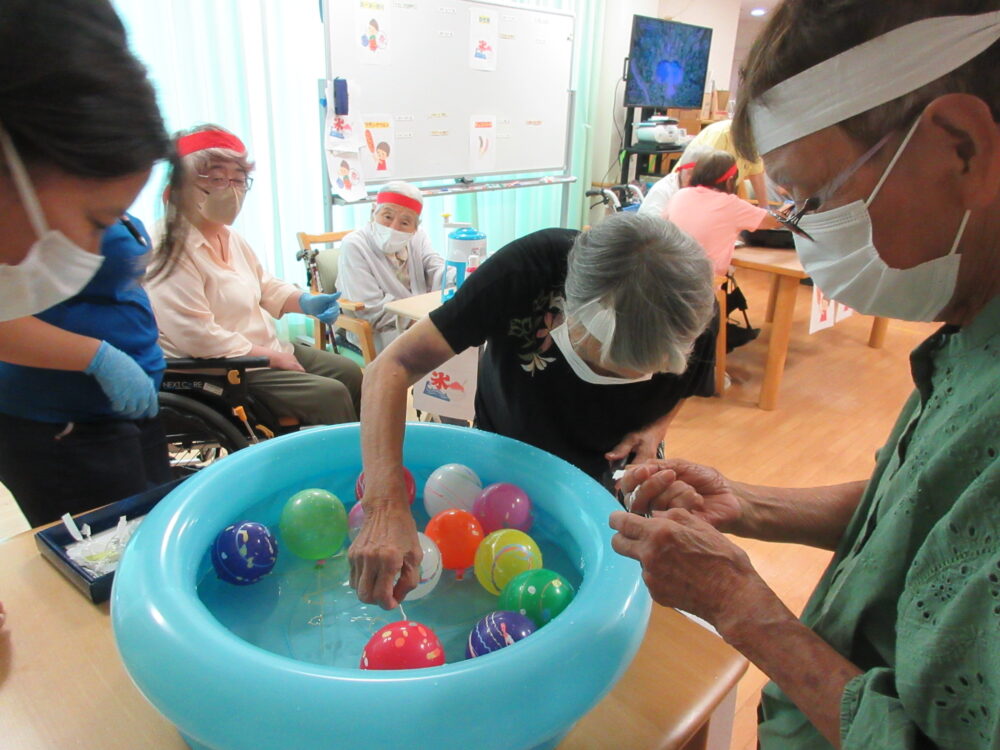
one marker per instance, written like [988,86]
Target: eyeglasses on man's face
[791,218]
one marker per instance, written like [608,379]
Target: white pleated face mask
[390,240]
[599,322]
[55,267]
[842,259]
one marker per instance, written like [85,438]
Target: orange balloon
[457,534]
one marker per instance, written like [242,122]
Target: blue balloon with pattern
[497,630]
[244,552]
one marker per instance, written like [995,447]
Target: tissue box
[53,540]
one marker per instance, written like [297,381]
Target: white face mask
[54,269]
[222,206]
[842,260]
[600,323]
[389,240]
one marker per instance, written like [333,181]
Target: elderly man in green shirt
[880,119]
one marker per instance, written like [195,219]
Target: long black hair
[72,95]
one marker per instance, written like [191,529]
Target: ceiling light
[758,11]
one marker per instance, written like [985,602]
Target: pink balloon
[503,506]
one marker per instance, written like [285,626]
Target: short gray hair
[657,279]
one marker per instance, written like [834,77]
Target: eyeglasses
[790,220]
[221,183]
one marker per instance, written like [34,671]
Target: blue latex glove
[127,386]
[322,306]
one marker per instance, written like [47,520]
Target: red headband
[682,167]
[203,139]
[398,199]
[731,172]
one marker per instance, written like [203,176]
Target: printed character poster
[450,390]
[346,180]
[373,31]
[378,148]
[482,143]
[483,36]
[823,311]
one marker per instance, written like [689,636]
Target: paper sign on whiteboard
[483,37]
[344,168]
[483,143]
[373,31]
[450,390]
[378,147]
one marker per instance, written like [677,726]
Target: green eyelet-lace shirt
[912,596]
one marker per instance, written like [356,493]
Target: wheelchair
[208,412]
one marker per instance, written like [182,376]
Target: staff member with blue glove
[218,301]
[78,425]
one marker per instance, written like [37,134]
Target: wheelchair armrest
[217,363]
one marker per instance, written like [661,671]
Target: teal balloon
[313,524]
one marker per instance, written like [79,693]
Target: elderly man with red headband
[218,301]
[389,258]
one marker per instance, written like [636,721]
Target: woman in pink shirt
[710,211]
[218,301]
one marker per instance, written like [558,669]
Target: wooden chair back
[326,278]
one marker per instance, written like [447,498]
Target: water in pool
[308,612]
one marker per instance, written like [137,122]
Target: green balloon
[313,524]
[540,594]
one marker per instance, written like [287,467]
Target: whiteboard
[453,88]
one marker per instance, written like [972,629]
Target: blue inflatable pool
[226,693]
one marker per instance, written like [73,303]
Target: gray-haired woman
[594,340]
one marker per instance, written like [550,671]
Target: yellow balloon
[503,555]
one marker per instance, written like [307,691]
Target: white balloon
[451,486]
[430,568]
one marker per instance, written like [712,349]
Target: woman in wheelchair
[219,302]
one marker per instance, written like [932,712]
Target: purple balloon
[244,552]
[503,506]
[497,630]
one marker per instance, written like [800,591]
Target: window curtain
[252,67]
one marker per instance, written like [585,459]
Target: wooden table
[414,308]
[62,683]
[787,271]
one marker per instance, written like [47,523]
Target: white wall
[722,16]
[610,115]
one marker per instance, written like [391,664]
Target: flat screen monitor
[668,63]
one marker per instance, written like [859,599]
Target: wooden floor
[837,403]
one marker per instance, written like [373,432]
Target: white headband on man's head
[868,75]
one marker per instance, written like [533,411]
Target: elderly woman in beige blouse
[218,301]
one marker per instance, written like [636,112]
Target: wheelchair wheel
[197,435]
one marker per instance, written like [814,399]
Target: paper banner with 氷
[483,38]
[450,390]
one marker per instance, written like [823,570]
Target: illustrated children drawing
[381,155]
[344,181]
[372,39]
